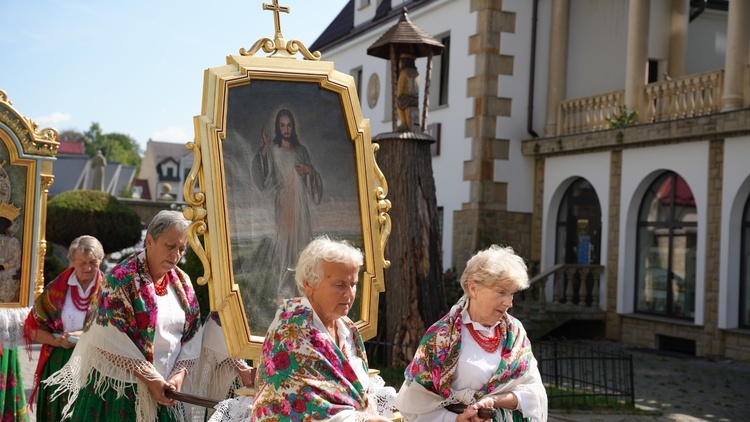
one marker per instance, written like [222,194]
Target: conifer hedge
[77,212]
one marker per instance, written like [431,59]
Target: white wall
[517,170]
[735,192]
[559,173]
[640,167]
[597,46]
[364,12]
[707,42]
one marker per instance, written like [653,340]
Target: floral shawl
[46,315]
[127,302]
[303,375]
[429,376]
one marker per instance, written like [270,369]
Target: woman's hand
[247,376]
[64,342]
[176,380]
[469,415]
[488,401]
[157,387]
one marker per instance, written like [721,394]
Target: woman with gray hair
[141,340]
[476,361]
[57,317]
[313,364]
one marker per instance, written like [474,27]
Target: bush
[53,265]
[96,213]
[194,268]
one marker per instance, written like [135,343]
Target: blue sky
[135,67]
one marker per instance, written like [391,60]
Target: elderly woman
[313,365]
[57,317]
[142,339]
[477,355]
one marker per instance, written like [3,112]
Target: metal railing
[579,377]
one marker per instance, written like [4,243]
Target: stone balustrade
[589,113]
[576,288]
[689,96]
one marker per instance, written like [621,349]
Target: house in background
[73,172]
[163,171]
[639,221]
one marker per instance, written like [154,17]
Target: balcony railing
[678,98]
[576,288]
[589,113]
[689,96]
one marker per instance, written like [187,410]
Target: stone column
[637,53]
[558,63]
[678,38]
[738,37]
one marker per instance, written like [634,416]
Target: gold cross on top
[276,10]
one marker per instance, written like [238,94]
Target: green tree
[116,147]
[70,135]
[96,213]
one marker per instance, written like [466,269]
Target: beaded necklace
[161,286]
[81,303]
[489,344]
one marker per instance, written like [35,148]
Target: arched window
[578,237]
[579,224]
[666,249]
[745,269]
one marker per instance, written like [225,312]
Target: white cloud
[53,120]
[172,134]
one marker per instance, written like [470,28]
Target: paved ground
[668,388]
[28,367]
[676,388]
[27,370]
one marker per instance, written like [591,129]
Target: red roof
[71,147]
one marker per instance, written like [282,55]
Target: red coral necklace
[81,303]
[161,286]
[489,344]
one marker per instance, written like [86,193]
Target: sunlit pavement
[676,388]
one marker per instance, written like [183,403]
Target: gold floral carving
[384,205]
[33,140]
[196,211]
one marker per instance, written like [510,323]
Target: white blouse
[170,323]
[72,318]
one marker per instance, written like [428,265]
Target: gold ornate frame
[228,134]
[29,153]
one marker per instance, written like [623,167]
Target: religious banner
[26,156]
[282,155]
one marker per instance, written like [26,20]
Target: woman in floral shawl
[313,365]
[141,340]
[477,355]
[57,317]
